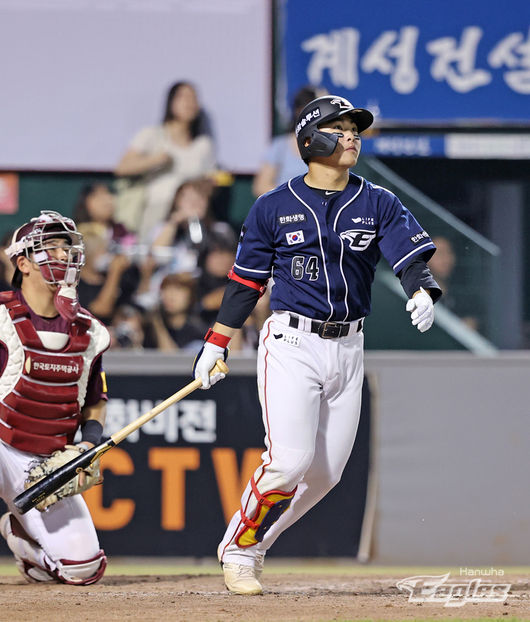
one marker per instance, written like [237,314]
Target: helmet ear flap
[322,144]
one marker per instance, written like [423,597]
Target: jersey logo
[364,220]
[289,338]
[419,237]
[294,237]
[359,239]
[343,104]
[290,219]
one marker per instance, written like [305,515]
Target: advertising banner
[170,488]
[414,62]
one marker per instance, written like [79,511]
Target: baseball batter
[319,237]
[51,384]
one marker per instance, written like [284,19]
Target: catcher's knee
[81,572]
[270,506]
[30,559]
[35,565]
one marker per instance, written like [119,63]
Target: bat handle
[219,368]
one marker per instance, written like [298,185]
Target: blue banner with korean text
[414,62]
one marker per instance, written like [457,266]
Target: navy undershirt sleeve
[238,303]
[416,274]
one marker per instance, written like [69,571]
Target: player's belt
[326,330]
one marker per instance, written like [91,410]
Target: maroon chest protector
[42,412]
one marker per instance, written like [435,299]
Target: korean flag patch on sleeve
[294,237]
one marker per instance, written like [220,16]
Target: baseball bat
[32,496]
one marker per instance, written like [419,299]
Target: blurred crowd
[158,243]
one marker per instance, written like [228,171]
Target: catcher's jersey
[322,252]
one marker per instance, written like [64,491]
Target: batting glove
[205,361]
[421,309]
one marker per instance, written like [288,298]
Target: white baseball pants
[64,531]
[310,393]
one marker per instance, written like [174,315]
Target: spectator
[127,330]
[442,266]
[168,154]
[282,159]
[179,241]
[215,263]
[107,280]
[188,226]
[96,203]
[6,267]
[173,325]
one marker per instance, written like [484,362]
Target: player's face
[349,145]
[57,250]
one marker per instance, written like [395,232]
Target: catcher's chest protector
[42,390]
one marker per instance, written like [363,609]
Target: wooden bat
[31,497]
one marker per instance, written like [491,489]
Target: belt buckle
[329,330]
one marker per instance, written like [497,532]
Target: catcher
[51,384]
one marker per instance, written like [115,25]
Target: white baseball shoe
[241,579]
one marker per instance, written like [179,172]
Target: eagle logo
[359,239]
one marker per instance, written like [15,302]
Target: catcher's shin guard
[77,572]
[271,505]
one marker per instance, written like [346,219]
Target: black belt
[326,330]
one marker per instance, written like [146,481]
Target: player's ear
[307,142]
[23,264]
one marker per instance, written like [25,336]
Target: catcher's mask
[322,110]
[37,239]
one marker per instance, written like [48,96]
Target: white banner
[78,78]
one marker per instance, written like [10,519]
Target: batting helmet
[321,111]
[31,240]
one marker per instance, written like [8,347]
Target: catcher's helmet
[31,240]
[320,111]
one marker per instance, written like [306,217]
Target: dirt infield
[297,597]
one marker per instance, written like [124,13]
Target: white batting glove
[421,309]
[204,363]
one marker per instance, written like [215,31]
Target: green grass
[180,565]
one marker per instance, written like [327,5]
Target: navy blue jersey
[322,252]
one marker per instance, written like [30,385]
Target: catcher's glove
[81,482]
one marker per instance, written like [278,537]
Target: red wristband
[217,338]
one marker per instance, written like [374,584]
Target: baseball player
[51,384]
[319,236]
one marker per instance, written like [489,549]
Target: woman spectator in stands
[215,264]
[96,203]
[188,226]
[282,159]
[178,242]
[174,326]
[166,155]
[107,279]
